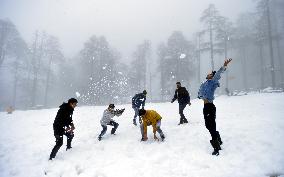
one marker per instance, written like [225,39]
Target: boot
[162,137]
[99,138]
[134,122]
[219,138]
[180,121]
[185,121]
[53,154]
[215,144]
[68,144]
[113,131]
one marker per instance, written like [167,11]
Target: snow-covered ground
[251,126]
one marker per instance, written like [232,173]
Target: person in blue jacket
[137,101]
[206,93]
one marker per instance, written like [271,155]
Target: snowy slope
[251,126]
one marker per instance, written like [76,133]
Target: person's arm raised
[217,76]
[227,61]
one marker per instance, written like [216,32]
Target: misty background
[104,52]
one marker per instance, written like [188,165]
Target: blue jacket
[207,89]
[138,99]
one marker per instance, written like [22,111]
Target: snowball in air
[182,55]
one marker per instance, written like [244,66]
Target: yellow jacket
[151,117]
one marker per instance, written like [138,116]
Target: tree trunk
[279,51]
[272,68]
[261,66]
[244,69]
[227,72]
[15,83]
[47,81]
[3,36]
[199,58]
[34,68]
[162,80]
[211,47]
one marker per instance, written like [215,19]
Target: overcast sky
[125,23]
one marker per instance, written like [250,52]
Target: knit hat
[111,106]
[142,112]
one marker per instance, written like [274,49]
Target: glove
[69,130]
[189,104]
[172,101]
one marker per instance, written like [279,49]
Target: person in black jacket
[182,95]
[63,125]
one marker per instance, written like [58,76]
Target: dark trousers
[209,112]
[59,143]
[182,117]
[112,123]
[136,110]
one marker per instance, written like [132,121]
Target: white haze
[125,23]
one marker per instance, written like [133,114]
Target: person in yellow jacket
[150,117]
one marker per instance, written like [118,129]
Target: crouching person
[150,117]
[108,114]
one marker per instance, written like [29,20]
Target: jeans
[182,117]
[112,123]
[136,110]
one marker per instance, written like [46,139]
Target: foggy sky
[125,23]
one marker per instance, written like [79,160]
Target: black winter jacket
[182,95]
[138,100]
[63,119]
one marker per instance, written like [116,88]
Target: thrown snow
[182,56]
[251,126]
[78,94]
